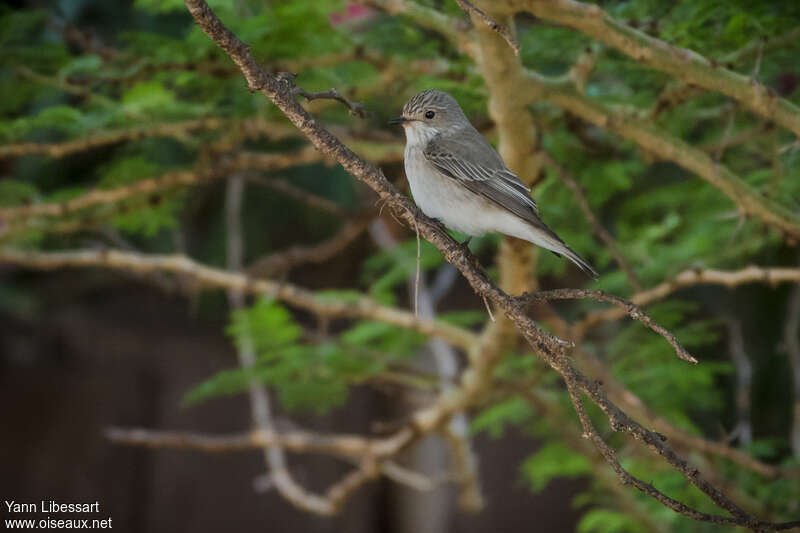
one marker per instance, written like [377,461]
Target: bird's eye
[430,114]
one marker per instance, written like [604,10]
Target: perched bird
[458,178]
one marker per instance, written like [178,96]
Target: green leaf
[551,461]
[608,521]
[495,419]
[224,383]
[14,192]
[147,97]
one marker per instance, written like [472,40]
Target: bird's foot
[468,253]
[465,246]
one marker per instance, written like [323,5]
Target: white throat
[418,134]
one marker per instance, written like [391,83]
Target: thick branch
[663,146]
[681,63]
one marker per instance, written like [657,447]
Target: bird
[459,179]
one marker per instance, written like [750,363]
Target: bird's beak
[398,120]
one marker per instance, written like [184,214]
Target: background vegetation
[125,128]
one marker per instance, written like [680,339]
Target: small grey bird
[458,178]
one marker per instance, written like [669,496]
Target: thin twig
[597,227]
[676,435]
[297,193]
[727,278]
[178,178]
[284,260]
[356,109]
[294,441]
[503,31]
[629,308]
[589,432]
[683,64]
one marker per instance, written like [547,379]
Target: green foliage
[16,192]
[386,270]
[608,521]
[647,365]
[496,419]
[553,460]
[307,376]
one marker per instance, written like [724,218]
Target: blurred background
[129,143]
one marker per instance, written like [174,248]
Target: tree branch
[676,435]
[681,63]
[356,109]
[260,404]
[629,308]
[626,478]
[346,306]
[663,146]
[175,129]
[284,260]
[470,9]
[178,178]
[346,446]
[695,276]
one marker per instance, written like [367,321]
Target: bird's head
[429,113]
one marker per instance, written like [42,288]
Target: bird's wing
[469,159]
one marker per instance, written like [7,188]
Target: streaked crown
[433,100]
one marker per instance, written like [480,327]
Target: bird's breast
[443,198]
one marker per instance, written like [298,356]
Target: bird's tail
[546,238]
[578,260]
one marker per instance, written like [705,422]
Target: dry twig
[284,260]
[597,227]
[687,278]
[356,109]
[681,63]
[470,9]
[629,308]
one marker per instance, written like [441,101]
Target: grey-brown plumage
[457,177]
